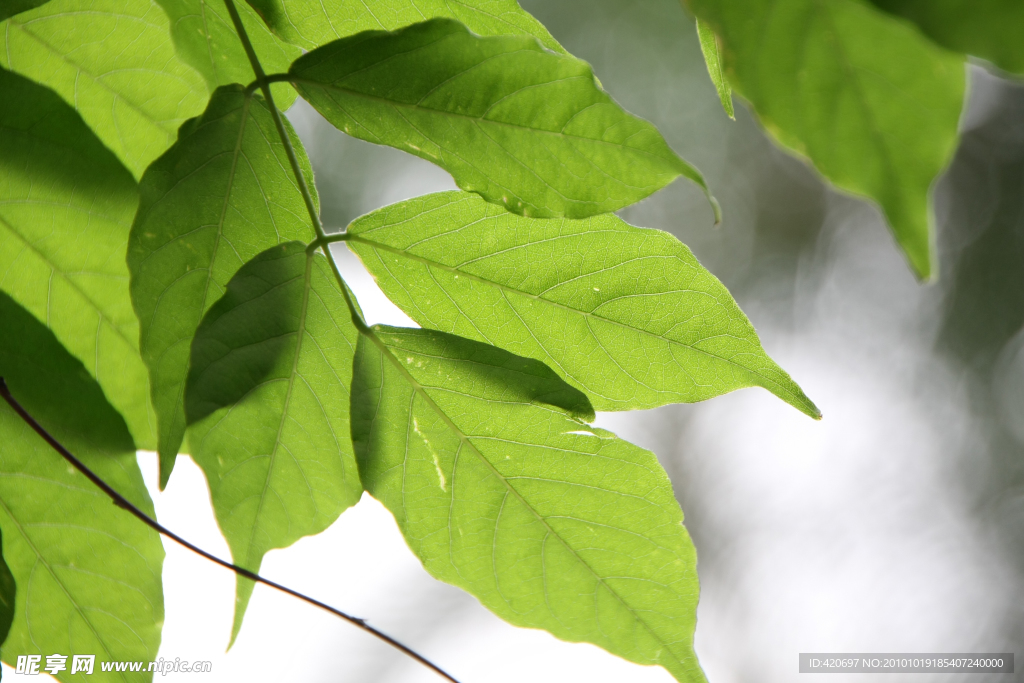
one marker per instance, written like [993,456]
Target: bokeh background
[896,524]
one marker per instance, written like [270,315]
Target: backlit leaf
[222,194]
[8,591]
[88,573]
[501,488]
[626,314]
[8,8]
[66,206]
[114,62]
[268,401]
[522,126]
[872,103]
[312,23]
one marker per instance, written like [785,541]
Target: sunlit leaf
[222,194]
[520,125]
[88,573]
[626,314]
[268,401]
[206,40]
[501,488]
[713,58]
[312,23]
[113,61]
[873,103]
[991,29]
[66,205]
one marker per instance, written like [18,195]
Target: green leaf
[518,124]
[626,314]
[114,62]
[501,488]
[268,401]
[66,205]
[8,8]
[88,573]
[873,104]
[312,23]
[713,58]
[990,29]
[207,41]
[222,194]
[8,592]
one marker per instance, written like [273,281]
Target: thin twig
[125,504]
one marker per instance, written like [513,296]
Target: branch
[125,504]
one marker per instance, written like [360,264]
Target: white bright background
[894,524]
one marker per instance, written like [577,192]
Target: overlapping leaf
[66,205]
[991,29]
[206,39]
[713,58]
[88,573]
[222,194]
[268,398]
[872,103]
[518,124]
[312,23]
[8,8]
[501,488]
[8,592]
[626,314]
[114,62]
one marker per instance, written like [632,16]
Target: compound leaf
[268,401]
[501,488]
[872,103]
[713,58]
[312,23]
[206,39]
[222,194]
[991,29]
[88,573]
[522,126]
[626,314]
[66,206]
[114,62]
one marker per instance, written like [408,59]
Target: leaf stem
[264,85]
[127,505]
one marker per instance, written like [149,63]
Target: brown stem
[125,504]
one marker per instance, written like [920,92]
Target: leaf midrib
[465,440]
[355,237]
[301,333]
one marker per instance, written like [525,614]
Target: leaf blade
[713,59]
[521,126]
[464,442]
[312,24]
[222,194]
[89,574]
[281,321]
[989,29]
[626,314]
[66,206]
[866,98]
[117,67]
